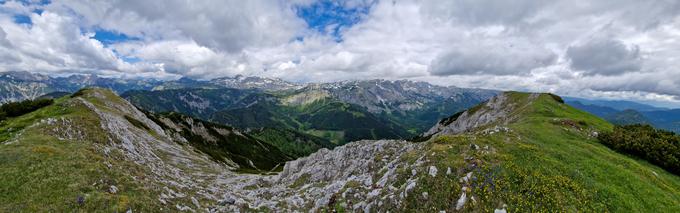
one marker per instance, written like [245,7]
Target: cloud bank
[605,48]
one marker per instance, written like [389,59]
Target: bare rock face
[493,110]
[254,82]
[312,182]
[341,163]
[497,110]
[17,86]
[167,163]
[403,95]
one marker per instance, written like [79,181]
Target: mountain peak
[499,110]
[23,76]
[254,82]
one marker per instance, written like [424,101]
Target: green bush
[657,146]
[15,109]
[79,93]
[556,98]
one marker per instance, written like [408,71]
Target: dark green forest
[657,146]
[14,109]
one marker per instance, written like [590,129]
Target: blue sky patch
[107,37]
[28,2]
[23,19]
[131,60]
[329,17]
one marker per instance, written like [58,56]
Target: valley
[515,152]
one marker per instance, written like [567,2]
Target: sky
[615,49]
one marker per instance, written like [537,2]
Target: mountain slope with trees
[517,152]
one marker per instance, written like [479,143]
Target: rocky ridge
[496,110]
[458,169]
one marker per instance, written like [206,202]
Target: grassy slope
[355,122]
[611,180]
[41,173]
[547,162]
[326,118]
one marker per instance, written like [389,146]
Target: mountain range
[517,152]
[21,85]
[371,109]
[338,112]
[627,112]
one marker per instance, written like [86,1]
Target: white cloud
[605,56]
[625,48]
[500,58]
[224,25]
[54,42]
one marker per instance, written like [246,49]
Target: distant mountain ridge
[619,105]
[336,121]
[415,105]
[341,111]
[376,95]
[627,112]
[370,109]
[21,85]
[236,82]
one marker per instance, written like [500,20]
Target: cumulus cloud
[496,59]
[3,38]
[54,42]
[605,57]
[483,12]
[625,48]
[224,25]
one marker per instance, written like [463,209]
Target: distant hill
[628,116]
[601,111]
[668,119]
[619,105]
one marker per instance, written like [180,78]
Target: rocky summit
[94,151]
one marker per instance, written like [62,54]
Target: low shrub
[15,109]
[657,146]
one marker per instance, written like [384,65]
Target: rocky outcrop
[497,110]
[362,170]
[168,164]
